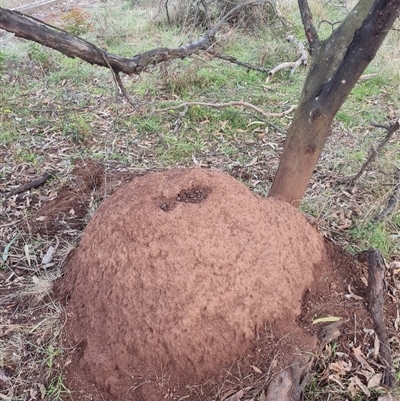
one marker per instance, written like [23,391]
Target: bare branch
[30,28]
[393,200]
[302,60]
[236,61]
[230,104]
[309,28]
[374,152]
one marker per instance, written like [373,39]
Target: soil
[204,289]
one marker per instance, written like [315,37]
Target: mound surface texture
[176,273]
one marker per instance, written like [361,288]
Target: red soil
[176,274]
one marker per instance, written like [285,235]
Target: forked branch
[30,28]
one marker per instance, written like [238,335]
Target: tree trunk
[336,66]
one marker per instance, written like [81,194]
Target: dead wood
[374,151]
[234,60]
[302,60]
[393,200]
[33,184]
[229,104]
[376,302]
[288,384]
[30,28]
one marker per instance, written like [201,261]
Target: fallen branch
[236,61]
[230,104]
[30,28]
[302,60]
[393,200]
[289,383]
[33,184]
[375,298]
[374,152]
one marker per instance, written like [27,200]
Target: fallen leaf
[375,380]
[254,161]
[27,254]
[257,370]
[326,319]
[3,376]
[362,386]
[361,358]
[238,396]
[376,347]
[7,248]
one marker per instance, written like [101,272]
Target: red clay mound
[175,275]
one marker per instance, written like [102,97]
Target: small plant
[76,22]
[2,58]
[40,55]
[77,129]
[56,390]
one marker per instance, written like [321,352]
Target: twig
[374,152]
[236,61]
[230,104]
[33,184]
[117,79]
[166,11]
[376,302]
[393,200]
[332,24]
[123,90]
[207,13]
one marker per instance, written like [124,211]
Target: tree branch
[236,61]
[29,28]
[374,152]
[309,28]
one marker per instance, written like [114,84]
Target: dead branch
[375,298]
[302,60]
[374,152]
[33,184]
[30,28]
[230,104]
[288,384]
[393,200]
[236,61]
[309,28]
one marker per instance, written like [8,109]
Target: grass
[57,110]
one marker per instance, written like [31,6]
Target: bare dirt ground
[338,290]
